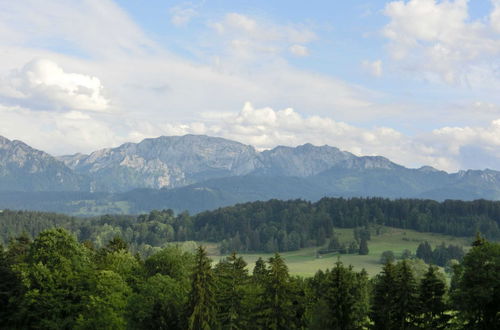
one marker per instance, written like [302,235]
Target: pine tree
[431,303]
[202,303]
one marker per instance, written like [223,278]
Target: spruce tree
[259,271]
[431,305]
[383,299]
[278,297]
[405,295]
[424,252]
[363,247]
[10,291]
[346,297]
[202,303]
[232,279]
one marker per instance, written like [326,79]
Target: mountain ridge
[212,171]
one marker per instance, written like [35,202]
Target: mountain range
[197,172]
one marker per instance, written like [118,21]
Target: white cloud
[266,128]
[96,28]
[182,14]
[60,132]
[447,148]
[242,22]
[159,93]
[373,67]
[495,16]
[248,37]
[44,84]
[438,38]
[299,50]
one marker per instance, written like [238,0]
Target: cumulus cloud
[60,132]
[447,148]
[162,94]
[43,84]
[438,38]
[373,67]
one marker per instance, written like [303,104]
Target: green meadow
[306,262]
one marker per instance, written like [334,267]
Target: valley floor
[306,262]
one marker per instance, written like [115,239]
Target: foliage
[273,226]
[55,282]
[476,286]
[202,303]
[386,257]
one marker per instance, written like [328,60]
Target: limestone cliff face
[302,161]
[165,162]
[23,168]
[172,162]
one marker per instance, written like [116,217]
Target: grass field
[305,261]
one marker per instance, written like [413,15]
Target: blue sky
[417,81]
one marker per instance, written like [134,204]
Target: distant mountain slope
[302,161]
[23,168]
[164,162]
[197,172]
[396,182]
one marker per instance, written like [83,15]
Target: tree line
[268,226]
[55,282]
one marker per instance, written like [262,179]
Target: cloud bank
[115,84]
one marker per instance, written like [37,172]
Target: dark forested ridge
[55,282]
[268,226]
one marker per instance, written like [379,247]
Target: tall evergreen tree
[345,296]
[363,247]
[405,295]
[384,300]
[278,297]
[202,304]
[259,271]
[424,252]
[232,278]
[10,291]
[431,305]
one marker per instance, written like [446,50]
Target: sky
[416,81]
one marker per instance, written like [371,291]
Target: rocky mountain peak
[23,168]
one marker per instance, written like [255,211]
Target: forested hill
[267,226]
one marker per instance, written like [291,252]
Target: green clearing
[304,262]
[94,208]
